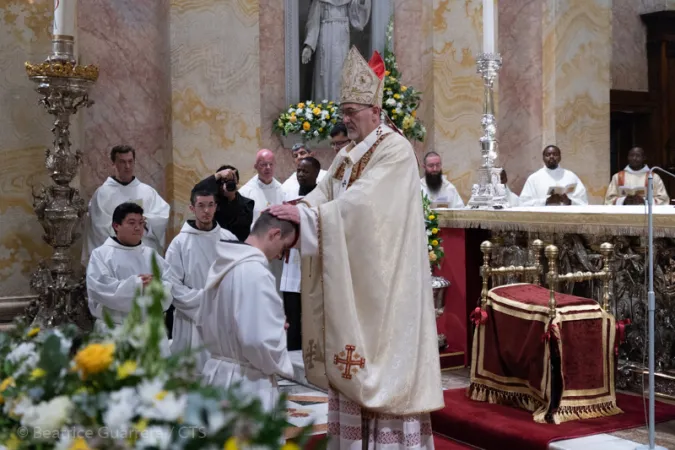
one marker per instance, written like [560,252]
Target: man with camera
[234,211]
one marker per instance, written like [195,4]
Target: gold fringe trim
[570,413]
[481,393]
[580,228]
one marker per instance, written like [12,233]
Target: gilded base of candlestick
[63,87]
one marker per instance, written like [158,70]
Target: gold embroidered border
[557,222]
[358,168]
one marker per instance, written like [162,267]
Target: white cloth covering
[446,194]
[241,322]
[535,191]
[112,193]
[190,255]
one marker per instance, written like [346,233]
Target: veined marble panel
[648,6]
[576,83]
[457,89]
[629,52]
[215,81]
[24,136]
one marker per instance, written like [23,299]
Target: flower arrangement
[115,390]
[434,241]
[312,121]
[400,101]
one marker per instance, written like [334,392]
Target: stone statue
[328,38]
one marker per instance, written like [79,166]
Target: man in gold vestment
[635,175]
[369,333]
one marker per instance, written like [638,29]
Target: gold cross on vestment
[348,365]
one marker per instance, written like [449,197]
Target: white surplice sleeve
[157,219]
[169,280]
[186,299]
[260,320]
[579,196]
[103,288]
[309,231]
[528,196]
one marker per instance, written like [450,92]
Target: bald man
[265,191]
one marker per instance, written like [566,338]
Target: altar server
[635,175]
[436,186]
[120,188]
[122,267]
[514,200]
[308,172]
[300,151]
[536,190]
[241,319]
[190,255]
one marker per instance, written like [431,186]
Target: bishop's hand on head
[286,212]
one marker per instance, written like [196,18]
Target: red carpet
[440,443]
[499,427]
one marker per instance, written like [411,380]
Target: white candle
[488,26]
[65,17]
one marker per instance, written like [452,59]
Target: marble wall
[629,54]
[24,137]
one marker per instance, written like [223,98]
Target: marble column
[216,88]
[24,136]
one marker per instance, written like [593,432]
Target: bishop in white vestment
[241,319]
[124,187]
[369,333]
[190,255]
[536,189]
[121,268]
[635,175]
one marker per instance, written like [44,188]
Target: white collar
[272,185]
[645,169]
[557,169]
[354,153]
[110,242]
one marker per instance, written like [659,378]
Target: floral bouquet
[436,252]
[115,390]
[312,121]
[400,101]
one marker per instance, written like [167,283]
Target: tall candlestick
[65,17]
[488,26]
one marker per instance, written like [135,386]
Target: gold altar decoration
[62,70]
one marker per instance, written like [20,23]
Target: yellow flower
[386,73]
[408,122]
[316,111]
[404,88]
[431,217]
[94,358]
[231,444]
[293,119]
[432,256]
[434,243]
[414,113]
[397,96]
[141,425]
[125,369]
[13,443]
[320,130]
[306,126]
[394,117]
[37,373]
[301,105]
[79,443]
[160,395]
[290,446]
[33,332]
[434,231]
[7,382]
[328,117]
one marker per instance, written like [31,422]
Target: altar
[578,232]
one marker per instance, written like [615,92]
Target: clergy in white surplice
[122,267]
[308,172]
[190,255]
[552,185]
[436,186]
[241,319]
[635,176]
[291,185]
[368,326]
[120,188]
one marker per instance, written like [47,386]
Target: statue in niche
[328,39]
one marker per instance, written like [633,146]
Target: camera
[230,185]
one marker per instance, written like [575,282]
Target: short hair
[232,168]
[432,153]
[200,193]
[338,128]
[267,221]
[313,162]
[123,210]
[551,146]
[298,146]
[121,150]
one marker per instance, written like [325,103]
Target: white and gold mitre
[362,82]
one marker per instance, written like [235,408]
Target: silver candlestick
[63,87]
[489,192]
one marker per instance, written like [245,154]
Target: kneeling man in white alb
[241,319]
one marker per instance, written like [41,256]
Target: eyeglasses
[339,144]
[351,112]
[266,165]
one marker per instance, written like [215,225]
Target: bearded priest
[368,324]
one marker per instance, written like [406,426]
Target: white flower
[430,247]
[26,354]
[390,102]
[323,123]
[302,131]
[398,111]
[121,409]
[155,437]
[309,115]
[167,407]
[324,101]
[390,92]
[49,416]
[299,111]
[66,343]
[316,132]
[399,105]
[428,232]
[148,390]
[290,110]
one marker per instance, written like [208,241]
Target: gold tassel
[481,393]
[570,413]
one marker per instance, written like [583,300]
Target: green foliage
[313,121]
[434,241]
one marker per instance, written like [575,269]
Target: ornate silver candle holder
[489,192]
[63,87]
